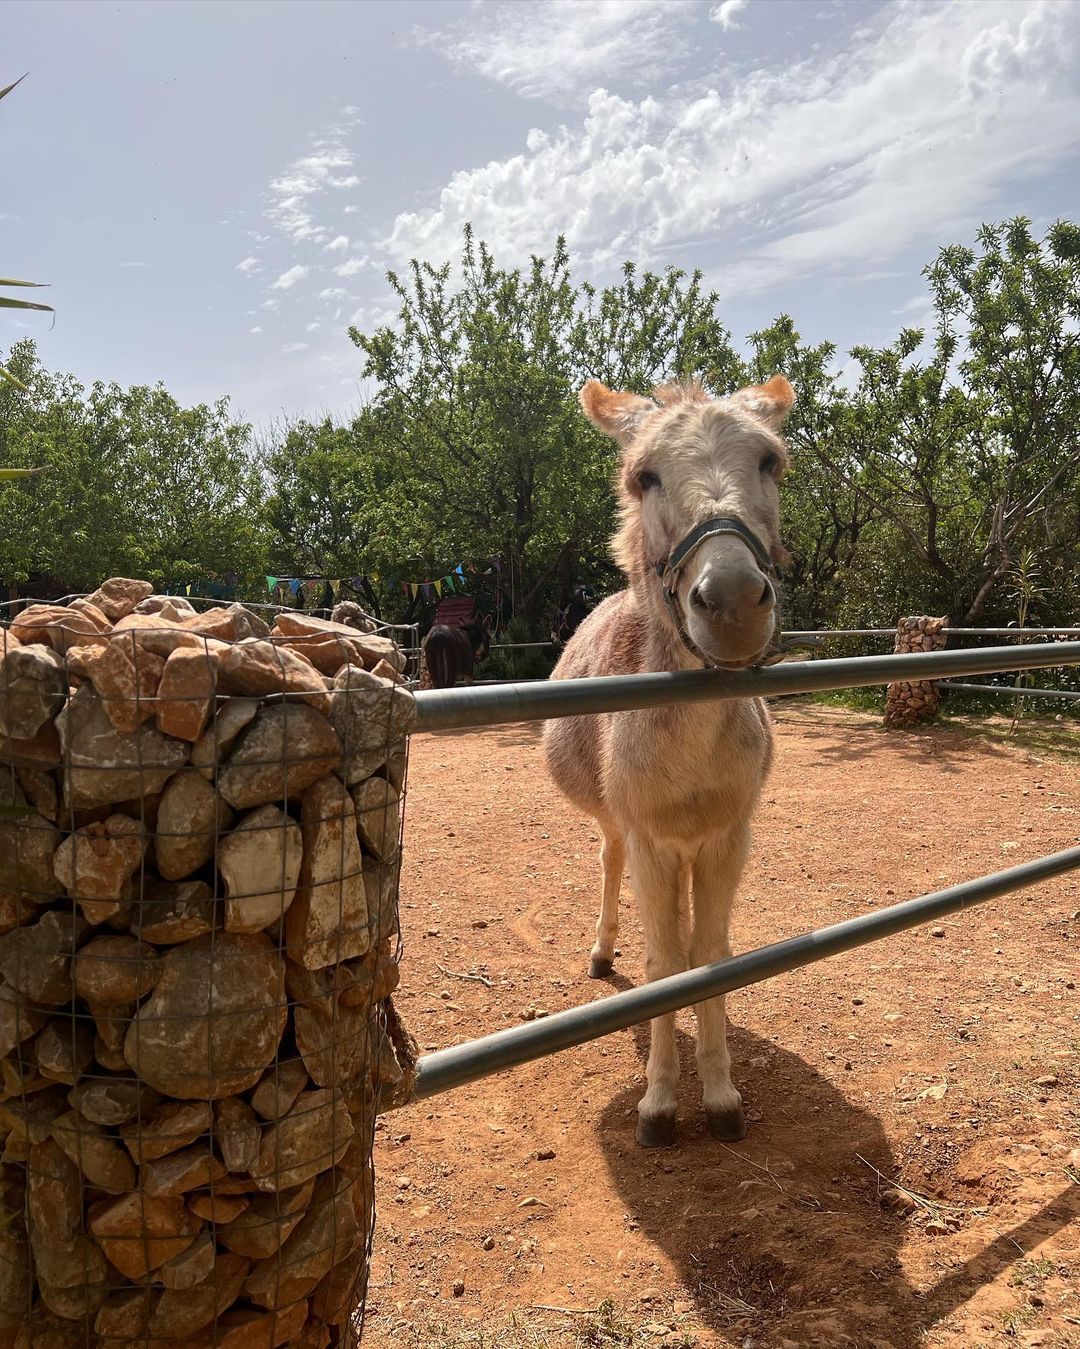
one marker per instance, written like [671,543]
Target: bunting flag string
[454,580]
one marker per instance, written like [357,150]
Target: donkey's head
[700,508]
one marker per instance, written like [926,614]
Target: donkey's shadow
[781,1237]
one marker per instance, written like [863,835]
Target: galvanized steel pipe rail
[504,1049]
[456,709]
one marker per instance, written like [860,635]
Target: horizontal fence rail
[453,1067]
[456,709]
[1063,694]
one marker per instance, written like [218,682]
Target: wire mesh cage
[200,843]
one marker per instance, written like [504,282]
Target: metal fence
[458,709]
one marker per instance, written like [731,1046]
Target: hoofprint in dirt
[912,1171]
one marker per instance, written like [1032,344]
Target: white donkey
[674,788]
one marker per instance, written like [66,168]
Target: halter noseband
[668,570]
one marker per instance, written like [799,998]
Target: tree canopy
[926,477]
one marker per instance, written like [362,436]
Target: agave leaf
[7,281]
[4,92]
[11,474]
[6,302]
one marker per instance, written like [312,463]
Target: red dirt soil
[946,1060]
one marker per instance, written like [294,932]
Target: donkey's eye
[648,479]
[770,464]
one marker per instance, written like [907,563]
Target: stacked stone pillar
[200,821]
[909,702]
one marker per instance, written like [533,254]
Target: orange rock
[186,693]
[93,863]
[309,634]
[56,626]
[127,677]
[118,596]
[92,612]
[139,1232]
[258,669]
[218,1208]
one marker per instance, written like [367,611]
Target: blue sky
[215,190]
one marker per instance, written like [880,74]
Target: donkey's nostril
[698,599]
[768,595]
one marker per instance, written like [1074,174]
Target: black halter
[668,570]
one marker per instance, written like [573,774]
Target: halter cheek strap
[668,570]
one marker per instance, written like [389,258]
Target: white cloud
[906,135]
[725,12]
[134,264]
[249,264]
[288,279]
[352,266]
[313,327]
[339,244]
[295,194]
[256,329]
[291,347]
[332,293]
[553,48]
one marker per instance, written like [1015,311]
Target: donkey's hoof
[599,967]
[656,1131]
[727,1125]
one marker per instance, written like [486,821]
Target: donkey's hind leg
[613,858]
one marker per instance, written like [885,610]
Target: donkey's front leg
[657,877]
[716,872]
[613,857]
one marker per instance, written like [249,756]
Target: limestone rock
[171,912]
[56,626]
[261,1229]
[311,1138]
[35,960]
[181,1313]
[166,1129]
[99,1157]
[30,1118]
[126,677]
[260,668]
[209,750]
[32,689]
[326,1235]
[27,844]
[16,1284]
[240,1329]
[370,716]
[283,751]
[381,880]
[277,1092]
[40,791]
[191,820]
[192,1266]
[332,1038]
[111,1022]
[94,864]
[138,1233]
[112,1100]
[213,1022]
[162,636]
[53,1207]
[104,765]
[328,921]
[238,1133]
[40,751]
[218,1209]
[260,865]
[293,625]
[186,693]
[125,1315]
[118,596]
[115,969]
[17,1021]
[64,1049]
[173,607]
[232,624]
[378,817]
[191,1168]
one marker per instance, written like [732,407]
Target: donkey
[673,789]
[567,620]
[453,653]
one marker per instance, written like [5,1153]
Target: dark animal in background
[453,653]
[582,602]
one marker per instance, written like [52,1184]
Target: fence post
[909,702]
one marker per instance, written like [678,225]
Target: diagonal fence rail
[447,1068]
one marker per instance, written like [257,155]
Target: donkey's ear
[616,414]
[770,402]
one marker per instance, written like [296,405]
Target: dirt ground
[912,1170]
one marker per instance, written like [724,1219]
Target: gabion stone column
[909,702]
[200,821]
